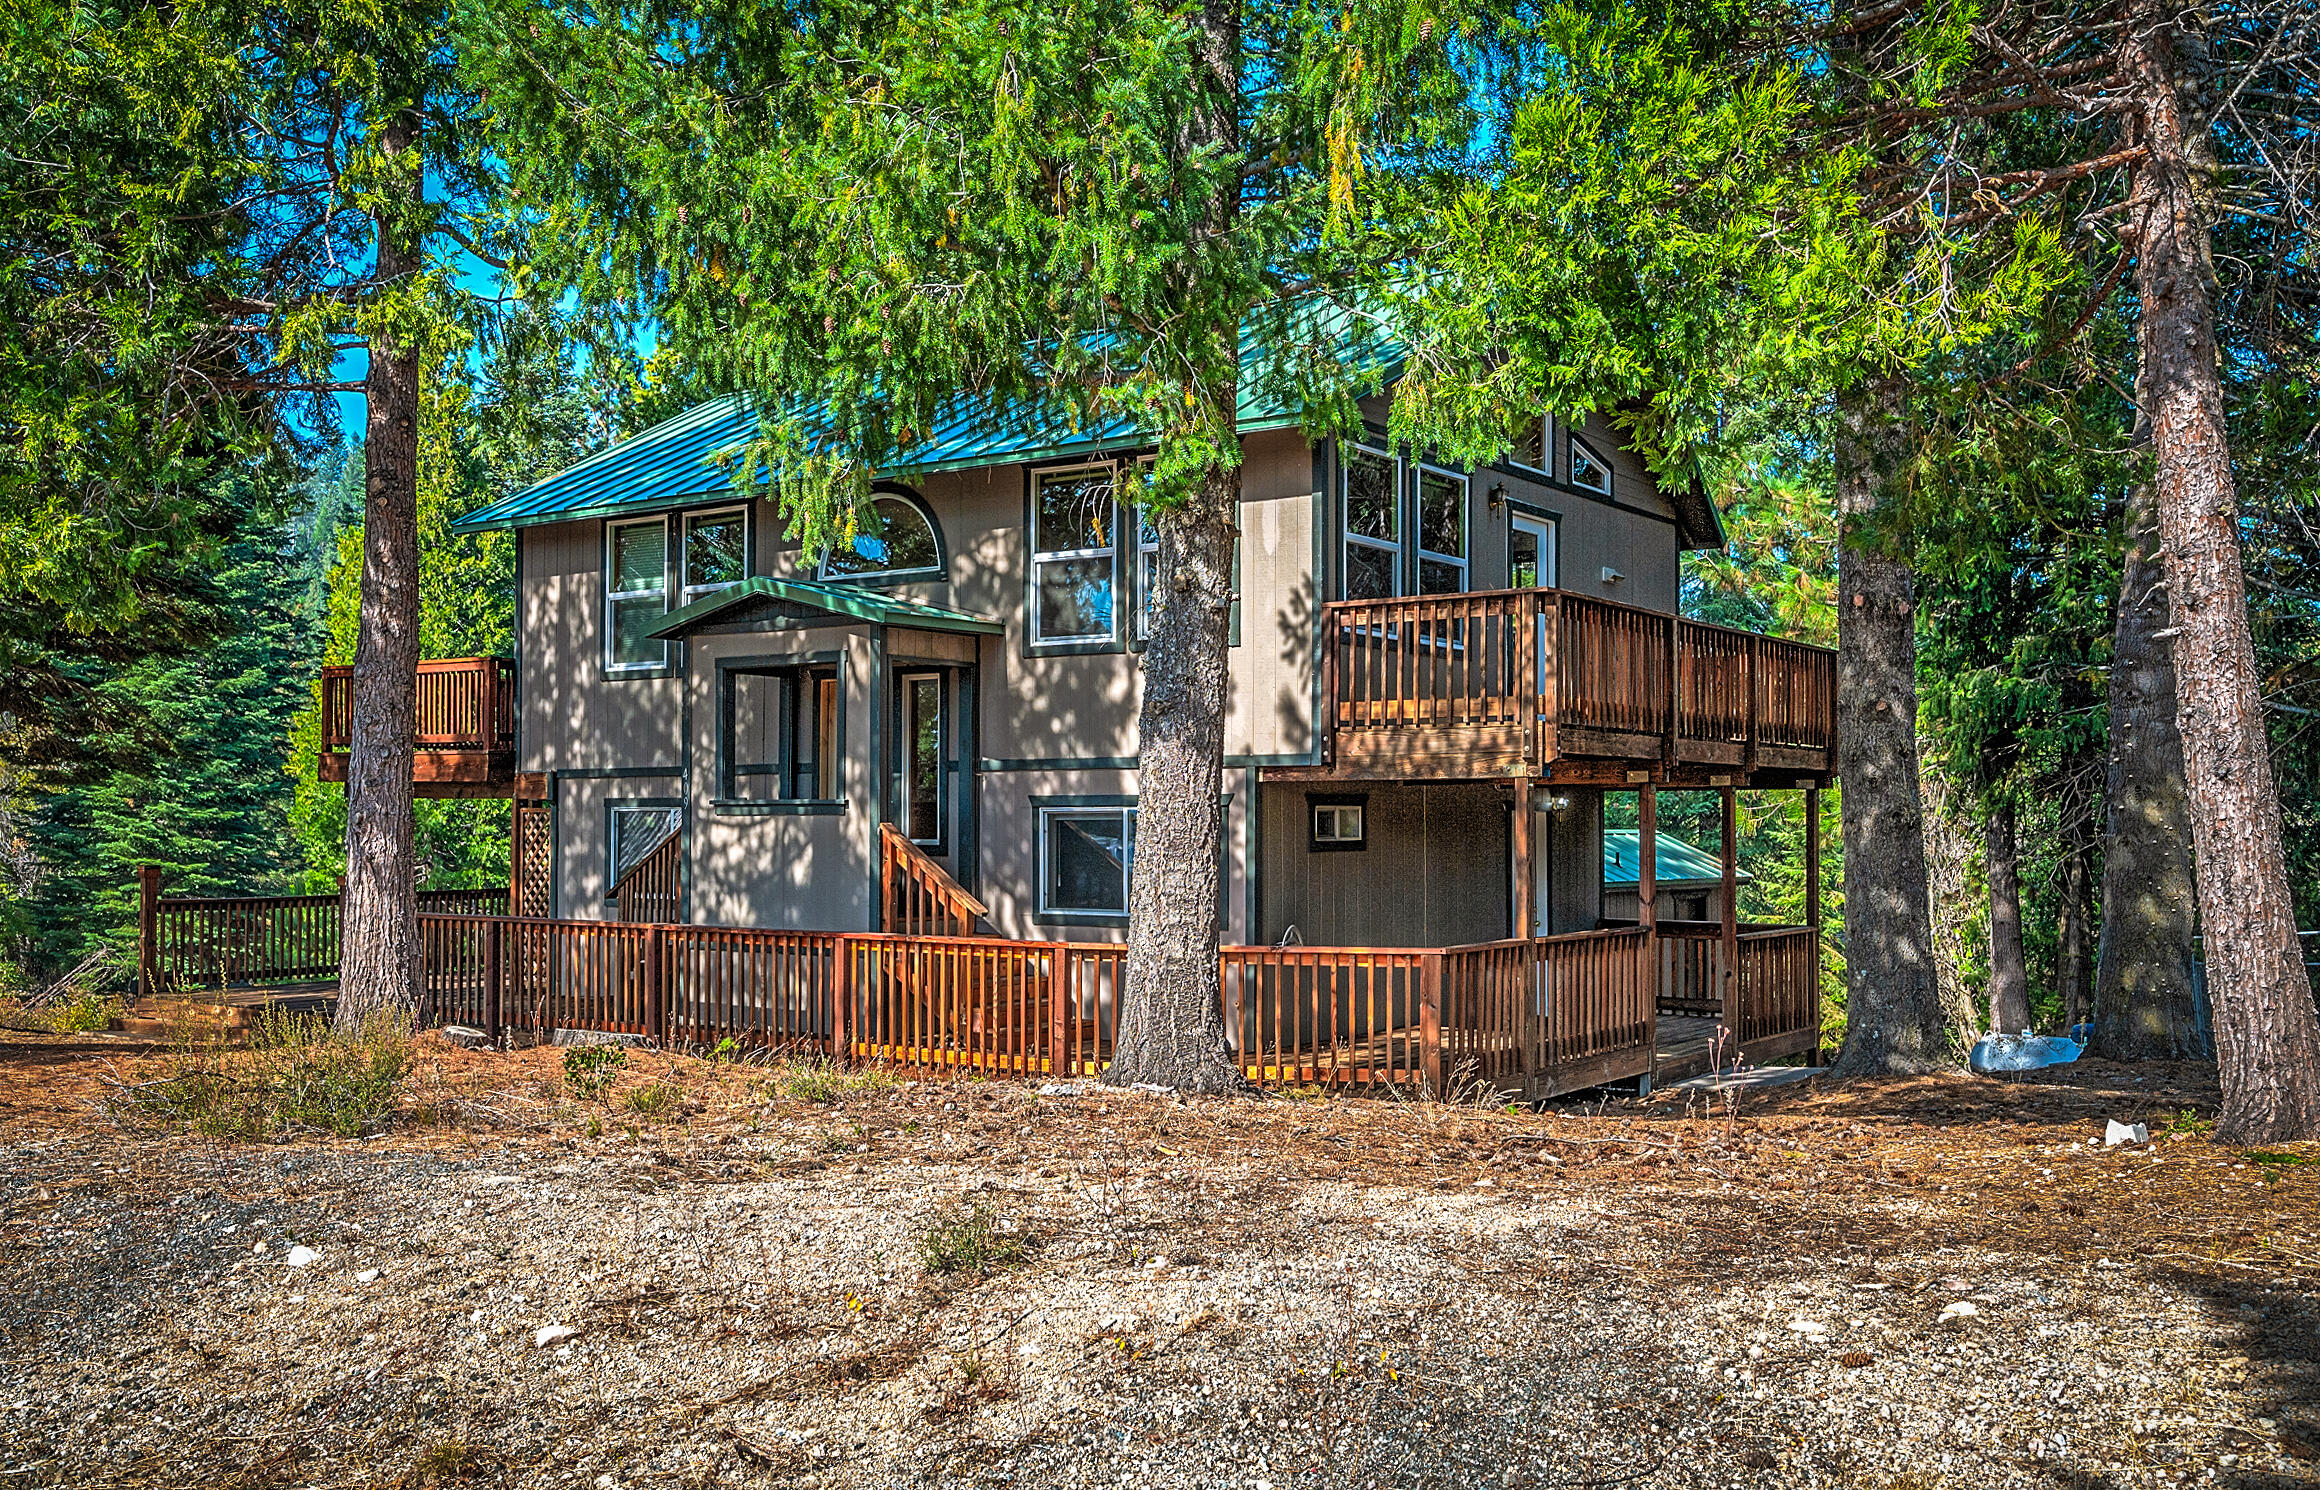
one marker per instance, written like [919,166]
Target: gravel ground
[1907,1284]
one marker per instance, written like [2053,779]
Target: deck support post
[1525,864]
[1058,1002]
[1812,896]
[841,1000]
[1430,1023]
[148,930]
[655,982]
[494,978]
[1730,989]
[1647,857]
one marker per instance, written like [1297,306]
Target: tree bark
[2009,978]
[2266,1028]
[1951,907]
[379,972]
[2073,970]
[1894,1020]
[2143,1006]
[1171,1018]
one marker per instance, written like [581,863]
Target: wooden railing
[1780,982]
[198,942]
[917,896]
[1492,1017]
[1520,677]
[1691,969]
[653,888]
[464,703]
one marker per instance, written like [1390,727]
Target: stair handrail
[904,865]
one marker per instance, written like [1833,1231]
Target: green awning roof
[800,602]
[1674,861]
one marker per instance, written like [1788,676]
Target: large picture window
[1075,555]
[636,593]
[1371,510]
[1086,860]
[894,539]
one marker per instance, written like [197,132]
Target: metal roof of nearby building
[764,593]
[691,457]
[1674,862]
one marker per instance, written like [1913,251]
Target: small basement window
[1339,823]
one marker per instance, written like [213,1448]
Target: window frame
[688,592]
[906,746]
[1044,811]
[1546,427]
[1317,803]
[1553,522]
[1036,558]
[1595,458]
[613,808]
[613,668]
[799,676]
[1347,539]
[1420,555]
[939,573]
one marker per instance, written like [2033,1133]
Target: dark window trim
[886,579]
[1041,806]
[1315,845]
[797,667]
[612,806]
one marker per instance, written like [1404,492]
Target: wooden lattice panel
[534,861]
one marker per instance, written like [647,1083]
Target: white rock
[1960,1309]
[258,1246]
[548,1334]
[367,1275]
[2116,1133]
[1811,1327]
[300,1257]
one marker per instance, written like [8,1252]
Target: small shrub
[295,1076]
[86,1010]
[967,1239]
[655,1099]
[590,1070]
[821,1080]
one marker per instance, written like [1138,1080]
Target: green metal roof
[767,594]
[687,459]
[1674,861]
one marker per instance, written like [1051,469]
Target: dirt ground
[756,1280]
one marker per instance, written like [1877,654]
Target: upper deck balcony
[1514,682]
[464,744]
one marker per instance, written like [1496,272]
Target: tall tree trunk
[1171,1019]
[2143,1007]
[2073,969]
[379,957]
[2001,865]
[1894,1021]
[2266,1029]
[1951,905]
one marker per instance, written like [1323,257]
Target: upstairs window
[1589,471]
[1534,445]
[636,593]
[1369,494]
[716,552]
[1441,501]
[894,538]
[1074,556]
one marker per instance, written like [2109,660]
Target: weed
[294,1076]
[967,1239]
[726,1049]
[2187,1124]
[655,1099]
[590,1070]
[821,1080]
[595,1126]
[441,1463]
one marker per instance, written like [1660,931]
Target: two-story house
[1437,673]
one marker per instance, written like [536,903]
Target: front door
[1530,552]
[932,764]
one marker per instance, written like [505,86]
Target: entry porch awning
[766,603]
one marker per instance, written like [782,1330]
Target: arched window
[896,539]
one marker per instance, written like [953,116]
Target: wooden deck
[464,740]
[1686,1046]
[1554,685]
